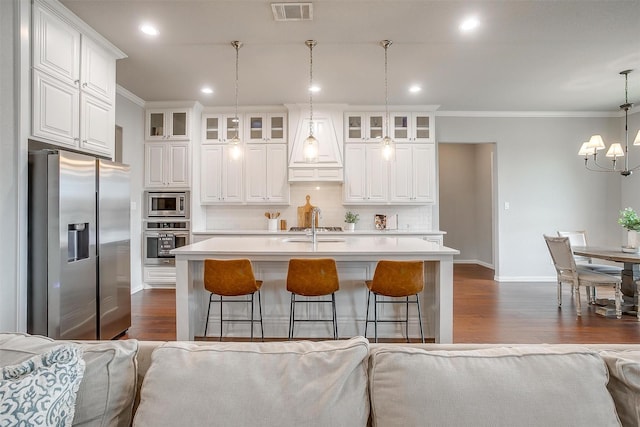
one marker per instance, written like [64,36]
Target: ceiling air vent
[292,11]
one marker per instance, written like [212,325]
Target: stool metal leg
[334,317]
[206,323]
[366,319]
[419,318]
[291,315]
[260,309]
[221,318]
[375,316]
[406,324]
[251,318]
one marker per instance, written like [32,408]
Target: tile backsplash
[327,197]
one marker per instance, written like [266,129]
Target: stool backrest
[398,278]
[312,277]
[229,277]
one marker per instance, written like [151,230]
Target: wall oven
[162,204]
[160,237]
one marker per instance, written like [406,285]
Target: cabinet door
[97,131]
[98,74]
[375,127]
[177,169]
[55,113]
[354,127]
[256,127]
[178,124]
[211,174]
[401,181]
[355,179]
[424,173]
[155,125]
[401,127]
[377,177]
[231,177]
[56,46]
[277,129]
[256,166]
[422,127]
[232,127]
[154,164]
[212,128]
[276,172]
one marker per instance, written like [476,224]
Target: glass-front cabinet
[412,127]
[266,127]
[218,128]
[167,124]
[364,127]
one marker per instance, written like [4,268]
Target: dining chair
[230,279]
[579,238]
[568,272]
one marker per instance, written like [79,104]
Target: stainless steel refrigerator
[79,283]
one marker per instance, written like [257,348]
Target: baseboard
[473,261]
[525,279]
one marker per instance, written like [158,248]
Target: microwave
[162,204]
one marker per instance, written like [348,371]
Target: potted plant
[350,220]
[630,220]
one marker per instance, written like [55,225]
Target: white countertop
[344,233]
[355,245]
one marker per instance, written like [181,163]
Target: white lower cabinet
[165,276]
[413,174]
[365,174]
[167,164]
[220,175]
[266,174]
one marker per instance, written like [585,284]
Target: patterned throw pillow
[41,391]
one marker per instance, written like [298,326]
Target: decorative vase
[632,239]
[349,226]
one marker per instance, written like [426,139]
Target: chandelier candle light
[616,150]
[387,142]
[310,150]
[236,150]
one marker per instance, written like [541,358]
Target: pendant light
[388,149]
[310,146]
[236,149]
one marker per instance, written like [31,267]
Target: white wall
[130,116]
[631,184]
[543,179]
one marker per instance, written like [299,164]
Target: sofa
[303,383]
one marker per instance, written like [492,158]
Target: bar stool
[231,278]
[313,278]
[395,279]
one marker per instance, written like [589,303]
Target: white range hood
[328,129]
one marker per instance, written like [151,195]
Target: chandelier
[310,150]
[236,150]
[616,150]
[387,142]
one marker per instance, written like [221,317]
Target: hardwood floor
[484,312]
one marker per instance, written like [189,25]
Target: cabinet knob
[76,82]
[84,85]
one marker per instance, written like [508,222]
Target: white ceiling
[553,55]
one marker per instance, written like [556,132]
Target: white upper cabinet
[261,127]
[219,128]
[266,174]
[168,124]
[412,127]
[73,82]
[220,175]
[365,175]
[364,127]
[413,174]
[167,164]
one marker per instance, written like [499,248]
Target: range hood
[327,121]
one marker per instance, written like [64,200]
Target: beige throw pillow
[515,387]
[280,384]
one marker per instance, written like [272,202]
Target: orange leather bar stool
[397,279]
[312,278]
[232,278]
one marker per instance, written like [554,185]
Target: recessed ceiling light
[415,89]
[314,89]
[206,90]
[469,24]
[149,29]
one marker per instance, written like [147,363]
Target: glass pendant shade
[615,150]
[310,150]
[388,148]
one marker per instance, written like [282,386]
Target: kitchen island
[356,258]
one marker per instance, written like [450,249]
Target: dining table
[630,274]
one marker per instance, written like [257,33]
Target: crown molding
[130,96]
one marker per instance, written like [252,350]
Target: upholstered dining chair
[395,279]
[230,279]
[579,238]
[568,272]
[312,278]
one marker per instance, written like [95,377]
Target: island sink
[308,239]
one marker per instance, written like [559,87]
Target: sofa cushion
[256,384]
[41,391]
[624,384]
[107,391]
[523,386]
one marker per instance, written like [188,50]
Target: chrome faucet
[314,232]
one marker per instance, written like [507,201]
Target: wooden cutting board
[304,214]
